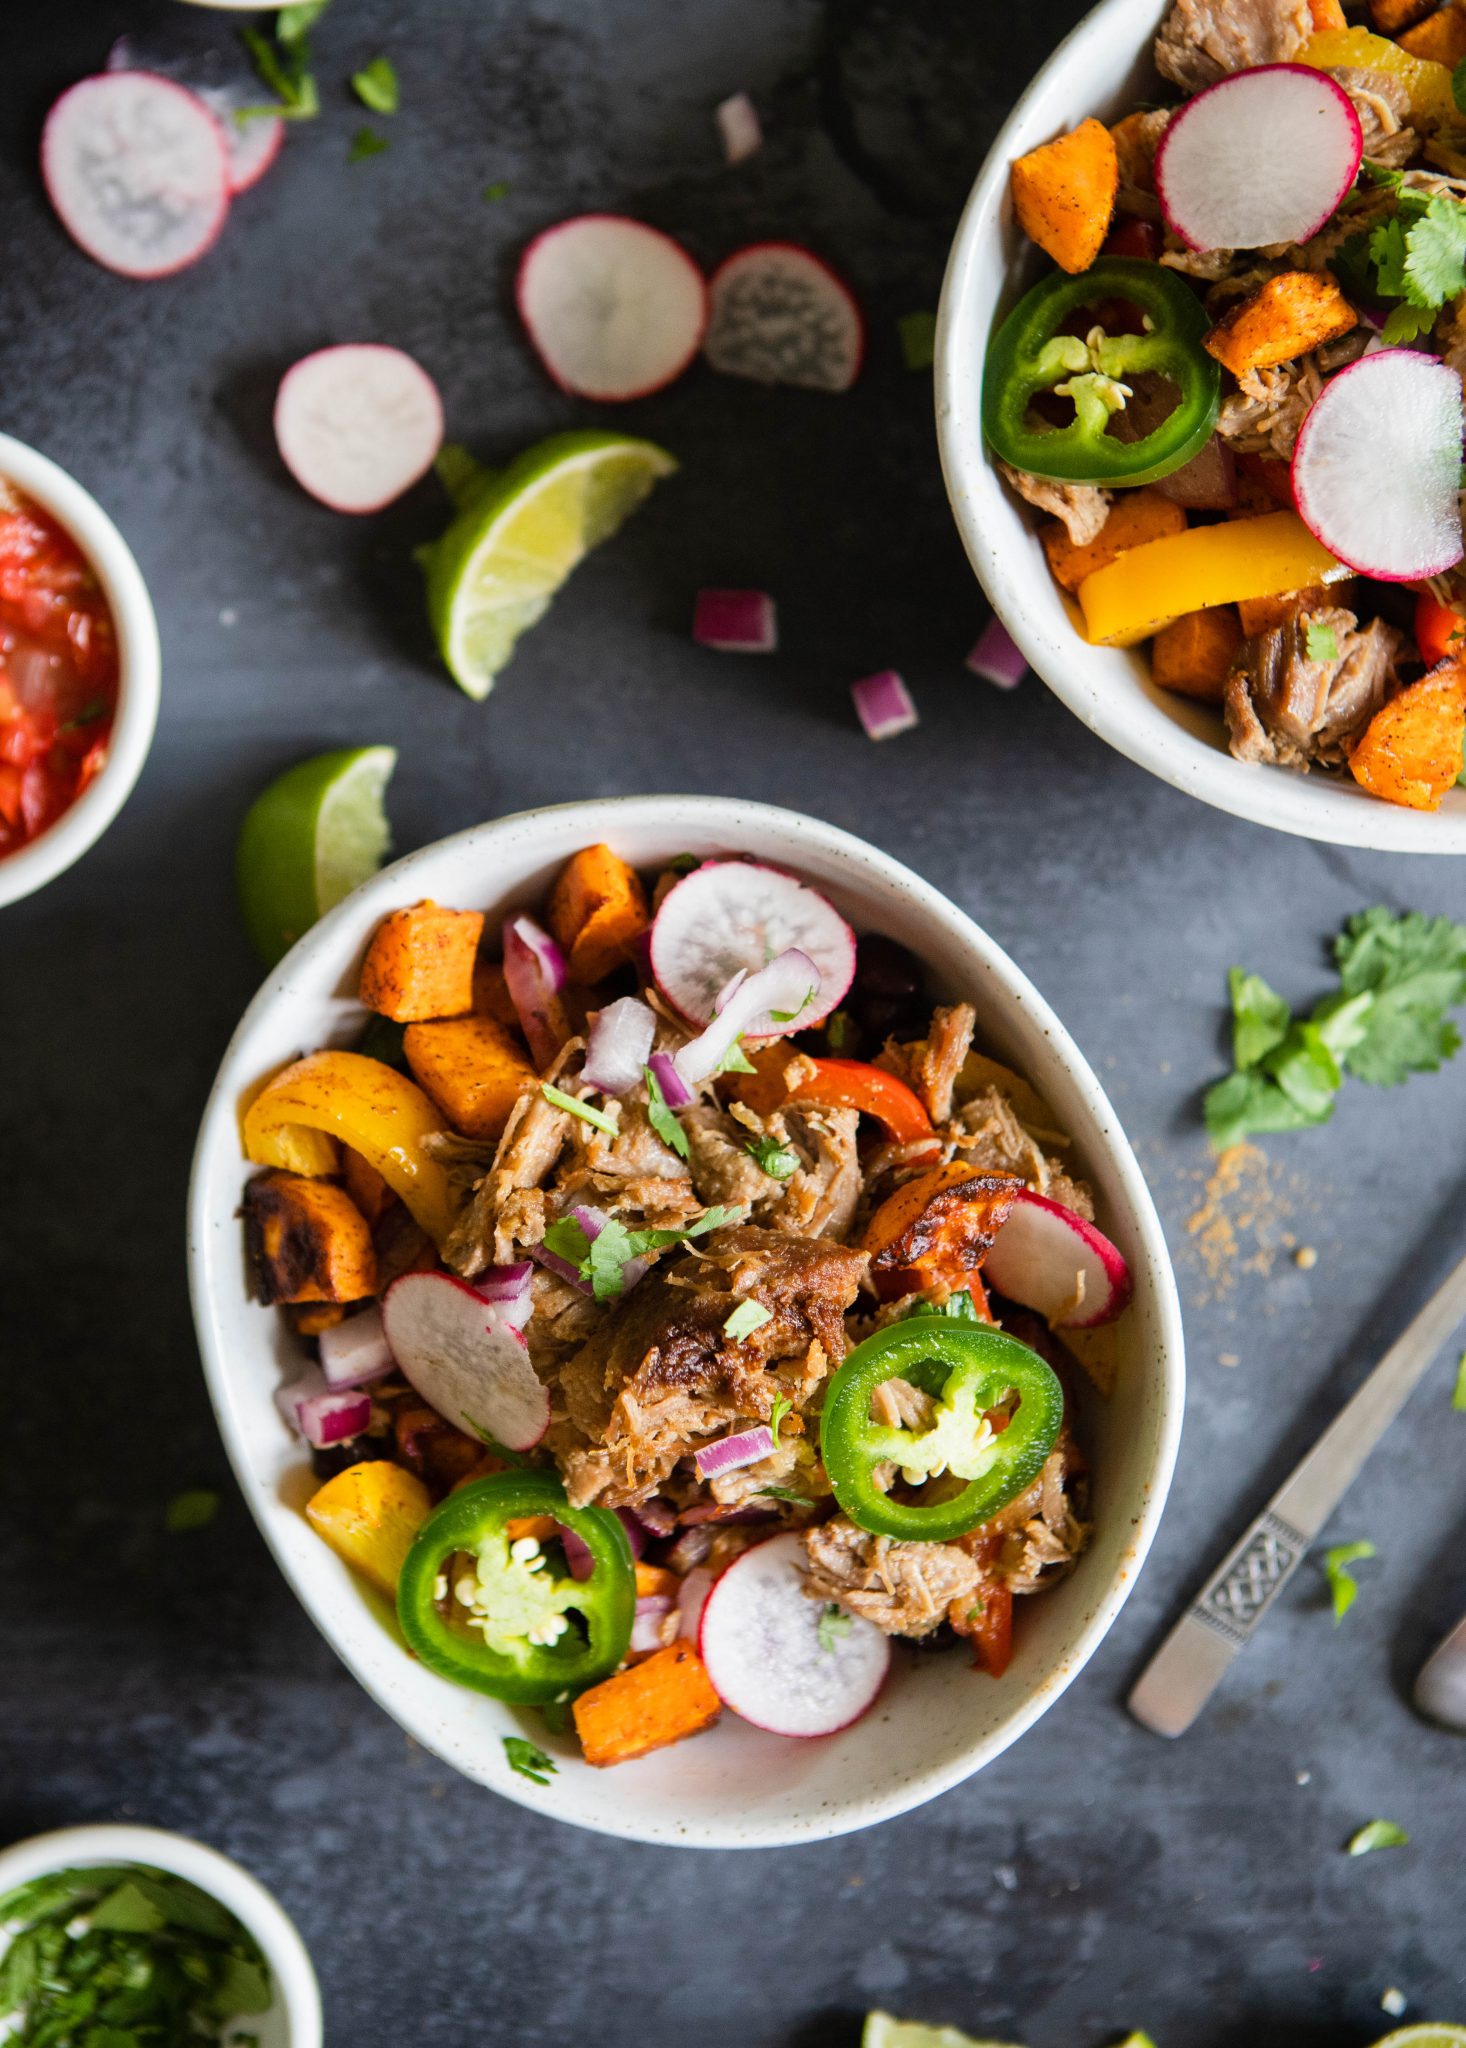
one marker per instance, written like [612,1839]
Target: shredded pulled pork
[1383,105]
[1289,709]
[1136,143]
[1084,508]
[1204,40]
[904,1588]
[1263,415]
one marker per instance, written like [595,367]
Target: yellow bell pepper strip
[1427,83]
[373,1109]
[1148,586]
[369,1514]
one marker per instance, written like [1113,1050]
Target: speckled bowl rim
[1096,70]
[761,830]
[259,1911]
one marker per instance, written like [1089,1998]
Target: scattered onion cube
[883,704]
[735,621]
[995,657]
[738,124]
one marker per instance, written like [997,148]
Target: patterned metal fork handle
[1245,1584]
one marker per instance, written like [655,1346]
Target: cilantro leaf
[735,1061]
[602,1260]
[833,1623]
[294,23]
[917,334]
[783,1406]
[1405,324]
[573,1106]
[1260,1018]
[1388,253]
[785,1493]
[1458,1397]
[375,85]
[529,1760]
[1377,1834]
[366,142]
[284,66]
[1435,266]
[1246,1105]
[499,189]
[1322,642]
[1343,1589]
[779,1162]
[1415,969]
[744,1320]
[189,1511]
[661,1119]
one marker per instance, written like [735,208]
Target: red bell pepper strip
[855,1084]
[1440,630]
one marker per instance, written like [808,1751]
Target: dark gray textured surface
[1093,1879]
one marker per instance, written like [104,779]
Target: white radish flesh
[137,169]
[357,426]
[615,309]
[1051,1260]
[1264,156]
[781,316]
[1377,468]
[252,145]
[733,916]
[759,1637]
[465,1359]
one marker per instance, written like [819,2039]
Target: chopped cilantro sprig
[283,62]
[1416,257]
[601,1261]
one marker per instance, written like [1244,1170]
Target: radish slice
[1264,156]
[733,915]
[137,169]
[465,1359]
[1377,468]
[781,316]
[775,1000]
[357,426]
[615,309]
[1051,1260]
[760,1640]
[251,146]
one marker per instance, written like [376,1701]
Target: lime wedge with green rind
[881,2031]
[308,840]
[520,533]
[1427,2034]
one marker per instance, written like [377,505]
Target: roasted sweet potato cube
[310,1318]
[646,1706]
[473,1069]
[1410,752]
[1285,317]
[597,909]
[1193,655]
[420,963]
[1064,193]
[491,997]
[1135,518]
[308,1240]
[369,1515]
[1440,38]
[1390,17]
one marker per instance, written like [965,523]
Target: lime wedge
[522,531]
[881,2031]
[308,840]
[1428,2034]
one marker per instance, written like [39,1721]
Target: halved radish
[733,916]
[465,1360]
[1051,1260]
[615,309]
[1264,156]
[137,170]
[760,1639]
[1377,468]
[781,316]
[357,425]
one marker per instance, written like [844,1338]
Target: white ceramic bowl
[937,1722]
[294,2018]
[1105,68]
[139,669]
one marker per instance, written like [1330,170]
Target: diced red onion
[561,1268]
[355,1352]
[618,1046]
[324,1415]
[651,1614]
[714,1511]
[735,621]
[883,705]
[655,1517]
[738,124]
[675,1091]
[996,657]
[592,1221]
[788,984]
[534,972]
[508,1287]
[730,1453]
[692,1599]
[635,1534]
[577,1555]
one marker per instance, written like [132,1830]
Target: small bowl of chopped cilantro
[133,1935]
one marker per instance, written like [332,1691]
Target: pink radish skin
[1041,1252]
[358,425]
[734,915]
[465,1359]
[137,169]
[1264,156]
[780,315]
[1377,467]
[759,1638]
[615,310]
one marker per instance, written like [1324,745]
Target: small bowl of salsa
[79,670]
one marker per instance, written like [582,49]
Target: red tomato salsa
[58,671]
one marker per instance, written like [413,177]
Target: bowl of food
[135,1927]
[1201,439]
[660,1269]
[79,670]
